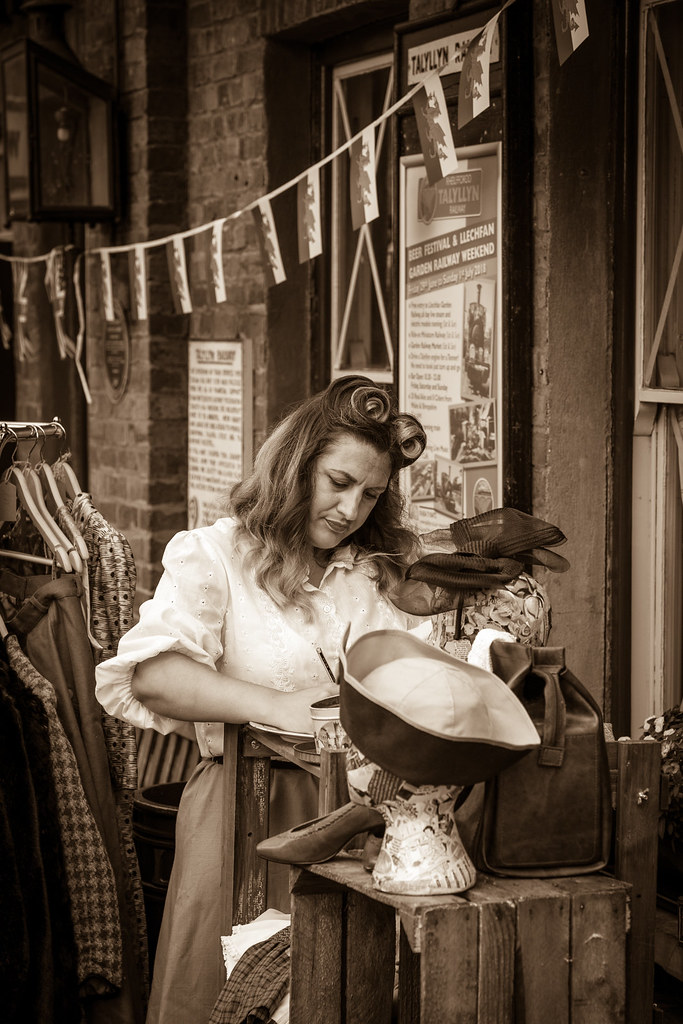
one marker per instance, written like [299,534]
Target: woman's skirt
[189,970]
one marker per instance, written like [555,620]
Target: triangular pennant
[80,337]
[55,286]
[434,129]
[571,26]
[5,332]
[25,347]
[308,215]
[216,262]
[363,180]
[474,94]
[137,270]
[107,287]
[268,241]
[177,271]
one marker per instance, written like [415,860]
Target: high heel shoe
[322,838]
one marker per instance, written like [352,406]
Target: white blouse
[208,607]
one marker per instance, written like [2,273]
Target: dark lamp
[59,137]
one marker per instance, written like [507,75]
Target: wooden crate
[523,951]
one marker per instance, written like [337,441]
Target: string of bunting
[440,160]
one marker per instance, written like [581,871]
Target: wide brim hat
[428,717]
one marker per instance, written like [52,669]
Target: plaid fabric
[257,983]
[89,876]
[112,580]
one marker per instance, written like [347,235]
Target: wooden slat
[251,826]
[497,934]
[636,843]
[316,957]
[408,981]
[369,984]
[230,749]
[543,953]
[334,789]
[599,922]
[449,965]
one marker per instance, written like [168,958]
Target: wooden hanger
[15,476]
[61,538]
[53,496]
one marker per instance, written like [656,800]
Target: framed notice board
[219,425]
[464,271]
[450,334]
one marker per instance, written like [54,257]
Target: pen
[319,652]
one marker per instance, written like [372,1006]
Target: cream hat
[426,716]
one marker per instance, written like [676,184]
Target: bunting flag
[434,128]
[268,242]
[308,219]
[177,271]
[216,262]
[137,270]
[55,286]
[473,91]
[25,348]
[107,288]
[5,332]
[80,337]
[571,26]
[363,179]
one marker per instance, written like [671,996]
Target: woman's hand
[293,707]
[174,685]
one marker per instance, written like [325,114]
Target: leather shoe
[322,838]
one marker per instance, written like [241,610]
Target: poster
[450,335]
[219,426]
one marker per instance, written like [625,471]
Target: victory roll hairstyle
[272,505]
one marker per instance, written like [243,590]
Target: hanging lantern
[59,137]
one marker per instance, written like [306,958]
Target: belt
[275,761]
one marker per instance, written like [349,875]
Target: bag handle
[551,752]
[513,663]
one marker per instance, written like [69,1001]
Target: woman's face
[348,478]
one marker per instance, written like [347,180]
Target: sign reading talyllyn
[436,54]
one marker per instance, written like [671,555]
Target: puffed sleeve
[186,614]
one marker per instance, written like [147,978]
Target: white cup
[327,728]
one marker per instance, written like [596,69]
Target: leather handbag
[550,813]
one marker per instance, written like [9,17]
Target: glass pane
[63,141]
[663,178]
[16,135]
[362,261]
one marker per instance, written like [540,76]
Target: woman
[314,540]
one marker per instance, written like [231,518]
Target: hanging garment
[37,946]
[88,871]
[112,580]
[49,625]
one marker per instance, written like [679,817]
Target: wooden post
[334,789]
[635,853]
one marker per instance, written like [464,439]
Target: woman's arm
[173,685]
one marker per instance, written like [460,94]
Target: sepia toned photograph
[341,512]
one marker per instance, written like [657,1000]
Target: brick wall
[192,98]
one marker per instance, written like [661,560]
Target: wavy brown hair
[272,505]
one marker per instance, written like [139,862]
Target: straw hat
[426,716]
